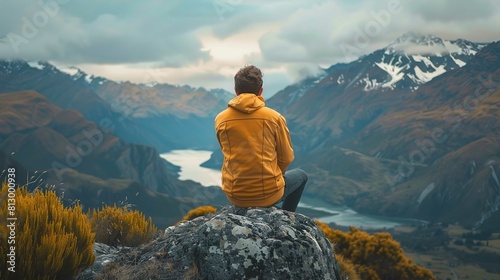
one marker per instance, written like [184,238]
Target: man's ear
[236,91]
[260,91]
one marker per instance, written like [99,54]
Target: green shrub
[51,241]
[119,226]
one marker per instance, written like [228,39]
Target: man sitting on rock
[257,149]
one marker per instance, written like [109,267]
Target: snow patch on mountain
[426,192]
[340,79]
[76,74]
[36,64]
[425,60]
[89,78]
[394,71]
[459,62]
[424,76]
[415,59]
[318,80]
[151,84]
[370,84]
[72,71]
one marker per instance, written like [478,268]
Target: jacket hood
[247,102]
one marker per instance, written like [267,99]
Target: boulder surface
[233,243]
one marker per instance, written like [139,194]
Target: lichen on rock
[237,243]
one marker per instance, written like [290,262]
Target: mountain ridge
[138,113]
[85,162]
[361,129]
[330,106]
[408,140]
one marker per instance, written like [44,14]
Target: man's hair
[248,80]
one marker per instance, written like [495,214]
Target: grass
[445,266]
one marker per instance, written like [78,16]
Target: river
[189,162]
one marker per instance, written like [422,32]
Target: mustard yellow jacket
[257,149]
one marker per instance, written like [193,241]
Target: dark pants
[295,182]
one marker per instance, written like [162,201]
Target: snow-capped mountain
[403,130]
[412,60]
[153,99]
[78,75]
[404,65]
[16,66]
[151,114]
[141,96]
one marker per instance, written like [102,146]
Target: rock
[234,243]
[104,254]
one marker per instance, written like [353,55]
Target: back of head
[248,80]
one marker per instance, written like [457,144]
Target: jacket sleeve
[284,147]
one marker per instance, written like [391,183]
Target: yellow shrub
[118,226]
[376,256]
[197,212]
[347,268]
[51,241]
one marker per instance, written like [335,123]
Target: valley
[452,252]
[422,150]
[393,134]
[392,108]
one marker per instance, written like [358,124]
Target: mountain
[410,130]
[449,130]
[85,161]
[337,105]
[332,107]
[163,116]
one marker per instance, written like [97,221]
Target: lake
[189,162]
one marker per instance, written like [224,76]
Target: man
[257,149]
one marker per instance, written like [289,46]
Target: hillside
[139,113]
[420,150]
[450,127]
[335,106]
[87,162]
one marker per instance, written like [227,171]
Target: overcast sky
[204,42]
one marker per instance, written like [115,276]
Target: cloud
[209,40]
[452,10]
[330,32]
[112,33]
[243,16]
[412,48]
[314,36]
